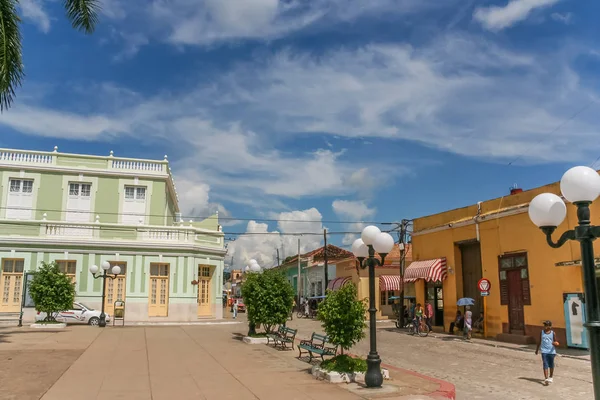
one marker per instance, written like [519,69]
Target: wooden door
[516,315]
[116,289]
[204,281]
[471,274]
[158,297]
[439,306]
[11,283]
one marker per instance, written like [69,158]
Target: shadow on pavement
[534,380]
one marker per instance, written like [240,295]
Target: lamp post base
[373,377]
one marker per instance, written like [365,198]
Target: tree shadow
[237,336]
[534,380]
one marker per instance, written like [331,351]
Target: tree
[51,290]
[268,297]
[343,317]
[83,15]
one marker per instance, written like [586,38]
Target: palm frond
[83,14]
[11,61]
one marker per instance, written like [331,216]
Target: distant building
[81,210]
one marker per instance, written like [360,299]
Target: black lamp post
[372,240]
[116,270]
[580,186]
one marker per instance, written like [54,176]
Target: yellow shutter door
[158,296]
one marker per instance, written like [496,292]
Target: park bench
[317,345]
[277,334]
[287,336]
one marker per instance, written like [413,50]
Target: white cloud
[33,11]
[358,211]
[565,18]
[261,244]
[495,18]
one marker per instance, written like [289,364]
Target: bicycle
[423,329]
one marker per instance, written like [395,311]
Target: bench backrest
[289,331]
[319,339]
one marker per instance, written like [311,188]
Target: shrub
[51,290]
[343,317]
[344,363]
[268,297]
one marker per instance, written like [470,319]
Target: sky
[316,114]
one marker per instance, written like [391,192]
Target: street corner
[423,386]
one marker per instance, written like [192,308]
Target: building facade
[530,282]
[83,210]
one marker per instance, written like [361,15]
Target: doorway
[516,314]
[204,280]
[471,274]
[11,283]
[434,293]
[158,298]
[115,288]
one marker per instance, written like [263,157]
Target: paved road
[477,371]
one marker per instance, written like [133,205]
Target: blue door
[574,305]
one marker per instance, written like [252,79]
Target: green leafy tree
[51,290]
[343,317]
[268,297]
[83,15]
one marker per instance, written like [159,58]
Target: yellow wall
[500,236]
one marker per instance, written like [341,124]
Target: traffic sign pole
[485,316]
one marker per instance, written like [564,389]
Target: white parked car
[79,314]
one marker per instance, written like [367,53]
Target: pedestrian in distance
[428,314]
[235,309]
[547,345]
[292,312]
[468,323]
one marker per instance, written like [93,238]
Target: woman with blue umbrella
[467,302]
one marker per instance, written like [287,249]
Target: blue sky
[319,109]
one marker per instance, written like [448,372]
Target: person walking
[292,312]
[547,345]
[429,315]
[235,309]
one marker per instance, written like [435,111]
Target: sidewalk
[209,362]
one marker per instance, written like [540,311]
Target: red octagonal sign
[484,285]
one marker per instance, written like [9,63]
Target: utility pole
[278,264]
[402,240]
[325,259]
[299,274]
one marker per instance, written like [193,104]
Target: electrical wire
[201,218]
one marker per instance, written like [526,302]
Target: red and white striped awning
[429,270]
[390,282]
[338,283]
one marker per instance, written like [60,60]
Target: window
[83,189]
[511,264]
[135,193]
[68,268]
[129,192]
[205,272]
[13,266]
[159,269]
[319,286]
[21,186]
[384,298]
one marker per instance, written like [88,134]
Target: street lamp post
[116,270]
[372,240]
[580,186]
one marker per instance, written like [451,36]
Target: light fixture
[105,265]
[94,269]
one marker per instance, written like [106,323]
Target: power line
[197,217]
[572,117]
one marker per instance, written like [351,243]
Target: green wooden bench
[317,345]
[287,336]
[276,334]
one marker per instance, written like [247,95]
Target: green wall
[50,197]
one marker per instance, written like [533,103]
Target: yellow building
[530,282]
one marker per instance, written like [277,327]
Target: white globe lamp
[116,270]
[547,210]
[105,265]
[384,243]
[360,249]
[94,269]
[580,184]
[369,234]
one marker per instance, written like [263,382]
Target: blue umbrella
[465,301]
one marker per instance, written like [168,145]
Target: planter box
[340,377]
[48,326]
[255,340]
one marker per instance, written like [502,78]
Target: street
[477,371]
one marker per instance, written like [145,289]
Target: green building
[81,210]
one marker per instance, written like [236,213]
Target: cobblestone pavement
[478,371]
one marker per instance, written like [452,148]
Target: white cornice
[475,220]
